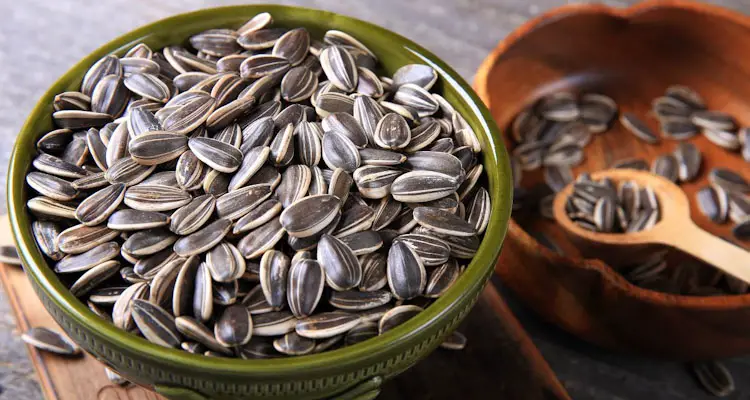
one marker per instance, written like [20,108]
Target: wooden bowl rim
[482,88]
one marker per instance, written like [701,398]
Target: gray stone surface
[41,39]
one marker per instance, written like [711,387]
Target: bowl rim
[482,88]
[356,356]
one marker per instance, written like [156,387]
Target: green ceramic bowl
[352,372]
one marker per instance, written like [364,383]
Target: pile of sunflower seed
[559,120]
[602,206]
[263,194]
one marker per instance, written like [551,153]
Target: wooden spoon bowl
[674,229]
[632,55]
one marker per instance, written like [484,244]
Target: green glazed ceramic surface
[354,372]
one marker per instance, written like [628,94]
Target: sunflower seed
[128,172]
[441,279]
[234,327]
[739,207]
[381,157]
[49,340]
[274,268]
[88,259]
[422,186]
[261,214]
[358,218]
[442,222]
[397,316]
[368,113]
[261,65]
[258,133]
[110,96]
[275,323]
[81,238]
[203,239]
[362,243]
[347,125]
[446,164]
[122,311]
[386,212]
[215,183]
[308,216]
[218,155]
[305,287]
[340,152]
[340,184]
[455,341]
[203,294]
[326,325]
[256,302]
[195,330]
[263,238]
[46,233]
[51,186]
[725,139]
[155,198]
[9,255]
[339,67]
[148,242]
[392,132]
[234,205]
[714,376]
[728,180]
[418,74]
[162,286]
[354,300]
[260,39]
[638,128]
[714,120]
[58,167]
[342,268]
[156,324]
[191,114]
[713,203]
[184,287]
[405,271]
[666,166]
[106,295]
[294,345]
[689,160]
[414,96]
[140,121]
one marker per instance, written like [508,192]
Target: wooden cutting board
[500,361]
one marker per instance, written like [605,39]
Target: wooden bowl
[632,55]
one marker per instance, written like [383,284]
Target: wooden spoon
[675,228]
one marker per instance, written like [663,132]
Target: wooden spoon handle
[712,249]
